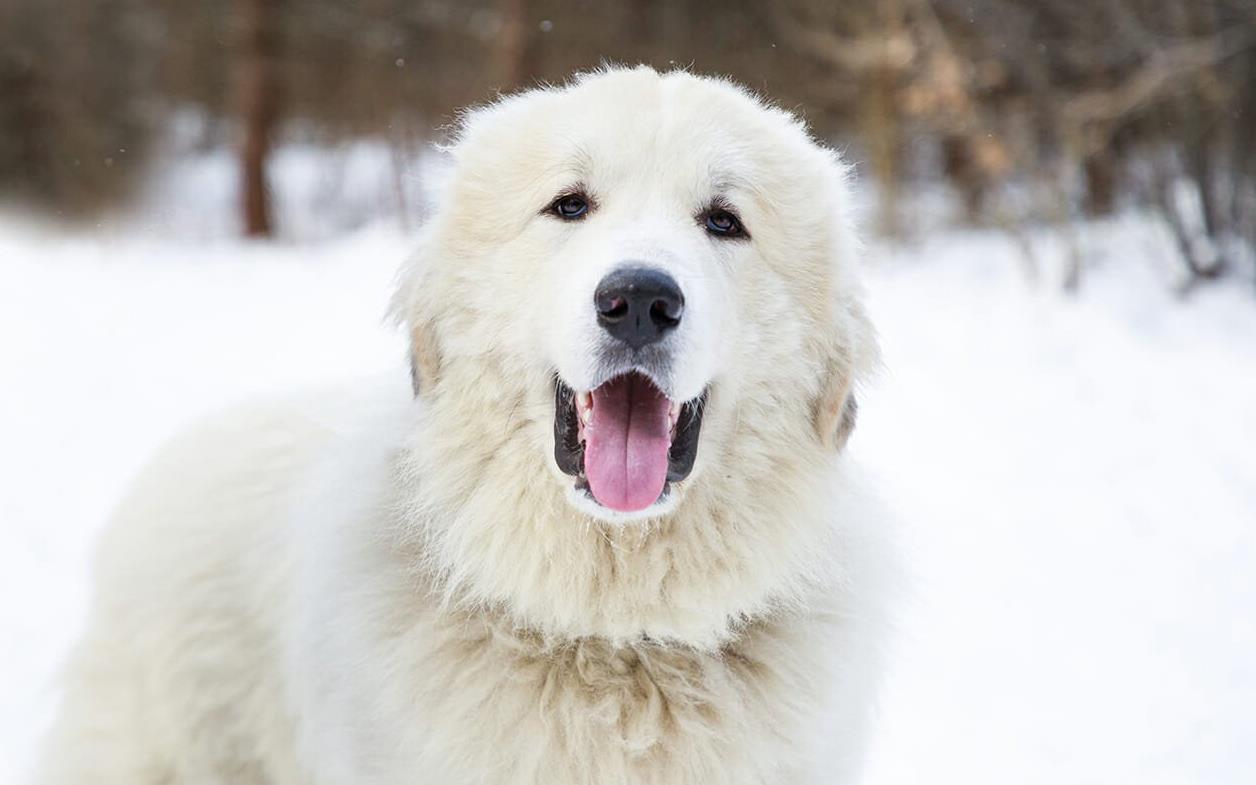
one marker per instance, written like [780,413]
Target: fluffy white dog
[609,539]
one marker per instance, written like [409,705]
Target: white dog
[610,539]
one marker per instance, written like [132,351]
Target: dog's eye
[569,207]
[724,223]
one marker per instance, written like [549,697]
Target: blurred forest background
[1063,278]
[1026,112]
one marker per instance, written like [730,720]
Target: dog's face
[647,268]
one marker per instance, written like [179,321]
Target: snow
[108,344]
[1078,490]
[1075,475]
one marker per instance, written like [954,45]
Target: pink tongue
[626,445]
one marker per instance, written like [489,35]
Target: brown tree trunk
[257,98]
[881,130]
[881,119]
[1101,185]
[963,173]
[511,50]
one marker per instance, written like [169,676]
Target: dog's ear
[836,408]
[424,357]
[852,355]
[848,344]
[410,309]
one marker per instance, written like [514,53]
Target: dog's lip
[572,408]
[645,369]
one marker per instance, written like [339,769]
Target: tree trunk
[1101,183]
[882,118]
[511,51]
[964,175]
[257,97]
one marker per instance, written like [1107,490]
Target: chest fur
[523,711]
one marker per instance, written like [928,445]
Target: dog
[609,534]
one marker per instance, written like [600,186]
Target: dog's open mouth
[625,441]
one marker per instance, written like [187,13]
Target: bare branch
[1162,70]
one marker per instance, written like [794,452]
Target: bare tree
[257,103]
[1035,111]
[511,48]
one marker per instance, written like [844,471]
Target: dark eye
[569,207]
[724,224]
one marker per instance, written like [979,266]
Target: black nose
[638,305]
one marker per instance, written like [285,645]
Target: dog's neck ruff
[487,539]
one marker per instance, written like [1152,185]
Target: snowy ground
[1076,476]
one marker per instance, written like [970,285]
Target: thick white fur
[370,588]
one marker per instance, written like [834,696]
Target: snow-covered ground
[1076,476]
[1077,479]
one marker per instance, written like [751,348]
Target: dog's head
[633,288]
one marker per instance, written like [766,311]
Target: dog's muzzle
[625,440]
